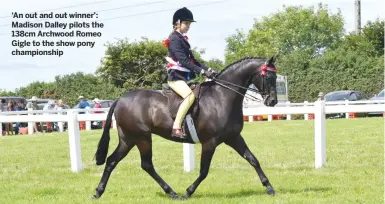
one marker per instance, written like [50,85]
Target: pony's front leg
[208,149]
[239,145]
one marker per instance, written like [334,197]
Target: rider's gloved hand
[212,70]
[208,74]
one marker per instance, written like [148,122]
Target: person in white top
[320,96]
[49,106]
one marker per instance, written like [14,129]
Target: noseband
[263,72]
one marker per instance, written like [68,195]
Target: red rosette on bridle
[263,70]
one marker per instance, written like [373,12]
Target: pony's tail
[101,152]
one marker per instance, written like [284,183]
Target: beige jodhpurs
[185,92]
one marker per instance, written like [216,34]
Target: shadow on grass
[306,190]
[291,168]
[244,193]
[247,193]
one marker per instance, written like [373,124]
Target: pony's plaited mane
[236,62]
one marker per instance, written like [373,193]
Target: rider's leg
[185,92]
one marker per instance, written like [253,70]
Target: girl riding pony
[182,65]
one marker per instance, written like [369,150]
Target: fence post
[88,122]
[251,118]
[346,104]
[88,125]
[30,124]
[288,116]
[269,117]
[319,134]
[60,123]
[60,126]
[306,115]
[74,141]
[188,157]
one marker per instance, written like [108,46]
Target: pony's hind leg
[239,145]
[120,152]
[145,149]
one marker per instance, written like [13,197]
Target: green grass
[36,169]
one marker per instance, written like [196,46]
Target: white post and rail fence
[318,108]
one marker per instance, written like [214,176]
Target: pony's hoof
[95,197]
[270,191]
[184,197]
[174,196]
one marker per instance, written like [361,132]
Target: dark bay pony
[143,112]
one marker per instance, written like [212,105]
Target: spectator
[9,126]
[60,106]
[2,101]
[33,105]
[97,105]
[49,106]
[320,96]
[83,104]
[18,106]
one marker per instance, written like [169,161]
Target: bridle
[265,87]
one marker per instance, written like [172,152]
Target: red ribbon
[166,42]
[264,69]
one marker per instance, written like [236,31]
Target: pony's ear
[272,59]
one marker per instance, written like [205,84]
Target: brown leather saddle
[174,100]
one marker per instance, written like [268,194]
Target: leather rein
[263,70]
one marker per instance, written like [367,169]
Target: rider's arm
[177,48]
[199,64]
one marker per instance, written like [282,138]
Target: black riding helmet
[182,14]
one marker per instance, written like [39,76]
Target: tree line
[310,43]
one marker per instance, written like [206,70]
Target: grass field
[36,169]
